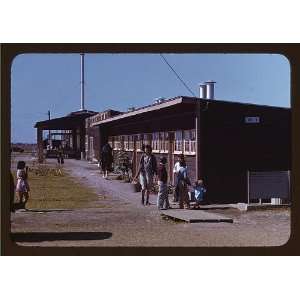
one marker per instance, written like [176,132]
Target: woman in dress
[22,186]
[106,159]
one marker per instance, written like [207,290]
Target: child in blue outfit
[199,191]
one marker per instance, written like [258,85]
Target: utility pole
[49,137]
[82,80]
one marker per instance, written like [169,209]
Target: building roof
[175,101]
[70,121]
[148,108]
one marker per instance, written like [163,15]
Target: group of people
[148,169]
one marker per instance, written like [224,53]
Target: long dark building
[221,140]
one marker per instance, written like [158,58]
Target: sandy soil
[125,222]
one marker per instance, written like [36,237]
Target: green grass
[60,192]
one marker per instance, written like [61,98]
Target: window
[126,142]
[92,153]
[155,141]
[178,141]
[117,142]
[86,144]
[131,142]
[139,142]
[166,141]
[190,141]
[147,139]
[163,141]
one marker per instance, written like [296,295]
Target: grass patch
[49,191]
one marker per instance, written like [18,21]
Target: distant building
[71,132]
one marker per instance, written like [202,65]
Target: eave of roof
[175,101]
[68,118]
[149,108]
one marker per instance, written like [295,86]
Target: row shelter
[222,141]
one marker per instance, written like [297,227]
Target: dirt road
[125,222]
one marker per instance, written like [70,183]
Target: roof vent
[203,90]
[210,89]
[131,109]
[159,100]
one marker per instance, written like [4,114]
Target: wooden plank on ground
[194,216]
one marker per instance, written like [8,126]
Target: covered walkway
[72,129]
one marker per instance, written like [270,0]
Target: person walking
[60,160]
[106,159]
[180,163]
[162,176]
[146,171]
[60,156]
[183,182]
[22,186]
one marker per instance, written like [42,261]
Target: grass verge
[59,192]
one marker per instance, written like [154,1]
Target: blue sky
[42,82]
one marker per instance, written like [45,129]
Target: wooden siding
[229,146]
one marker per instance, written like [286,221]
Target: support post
[40,147]
[134,157]
[248,187]
[199,165]
[82,142]
[74,141]
[49,132]
[82,80]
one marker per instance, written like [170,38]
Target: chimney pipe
[210,86]
[203,90]
[82,80]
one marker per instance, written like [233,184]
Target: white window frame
[117,143]
[139,142]
[155,142]
[92,151]
[189,142]
[178,142]
[126,142]
[130,142]
[164,142]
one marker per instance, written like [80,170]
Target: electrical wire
[181,80]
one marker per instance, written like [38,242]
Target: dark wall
[231,147]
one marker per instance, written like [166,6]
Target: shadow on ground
[59,236]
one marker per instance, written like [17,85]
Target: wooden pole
[199,166]
[40,145]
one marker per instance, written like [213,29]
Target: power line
[165,60]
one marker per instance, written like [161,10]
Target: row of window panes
[185,141]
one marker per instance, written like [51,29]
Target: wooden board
[195,216]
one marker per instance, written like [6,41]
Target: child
[183,182]
[22,187]
[199,190]
[162,197]
[180,163]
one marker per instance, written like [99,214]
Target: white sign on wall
[252,120]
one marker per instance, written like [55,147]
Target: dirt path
[125,222]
